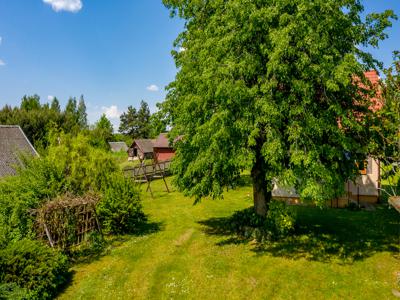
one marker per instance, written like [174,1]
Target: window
[365,167]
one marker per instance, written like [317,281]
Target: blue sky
[114,52]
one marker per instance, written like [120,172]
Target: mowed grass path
[336,254]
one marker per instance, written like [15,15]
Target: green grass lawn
[186,253]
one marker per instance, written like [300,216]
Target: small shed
[13,143]
[163,150]
[141,149]
[118,146]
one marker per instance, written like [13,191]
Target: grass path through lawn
[187,257]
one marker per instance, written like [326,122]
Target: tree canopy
[269,85]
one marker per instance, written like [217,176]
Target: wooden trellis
[66,221]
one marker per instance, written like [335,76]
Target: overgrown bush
[30,266]
[38,182]
[120,209]
[279,222]
[12,291]
[70,165]
[280,219]
[84,167]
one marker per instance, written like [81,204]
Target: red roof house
[159,149]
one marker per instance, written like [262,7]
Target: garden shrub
[279,222]
[12,291]
[32,266]
[39,181]
[84,166]
[70,165]
[120,209]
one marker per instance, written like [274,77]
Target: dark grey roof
[145,145]
[118,146]
[13,142]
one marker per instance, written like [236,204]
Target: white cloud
[153,88]
[181,49]
[67,5]
[1,40]
[2,63]
[111,112]
[50,97]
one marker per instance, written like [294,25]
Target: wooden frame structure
[66,221]
[146,173]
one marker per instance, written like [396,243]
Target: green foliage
[84,166]
[81,113]
[279,222]
[37,120]
[158,122]
[55,105]
[386,129]
[101,133]
[34,267]
[136,123]
[11,291]
[30,103]
[128,123]
[70,165]
[39,181]
[262,85]
[120,209]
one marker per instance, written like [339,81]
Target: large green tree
[269,85]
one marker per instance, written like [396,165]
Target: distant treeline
[37,119]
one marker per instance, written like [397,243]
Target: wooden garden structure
[66,221]
[147,172]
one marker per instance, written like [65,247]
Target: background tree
[71,117]
[30,103]
[128,123]
[36,120]
[262,86]
[136,123]
[101,133]
[143,120]
[55,105]
[81,113]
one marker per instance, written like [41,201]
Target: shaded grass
[326,235]
[192,255]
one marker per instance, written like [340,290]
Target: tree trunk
[261,192]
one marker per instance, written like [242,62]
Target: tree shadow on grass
[325,235]
[111,242]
